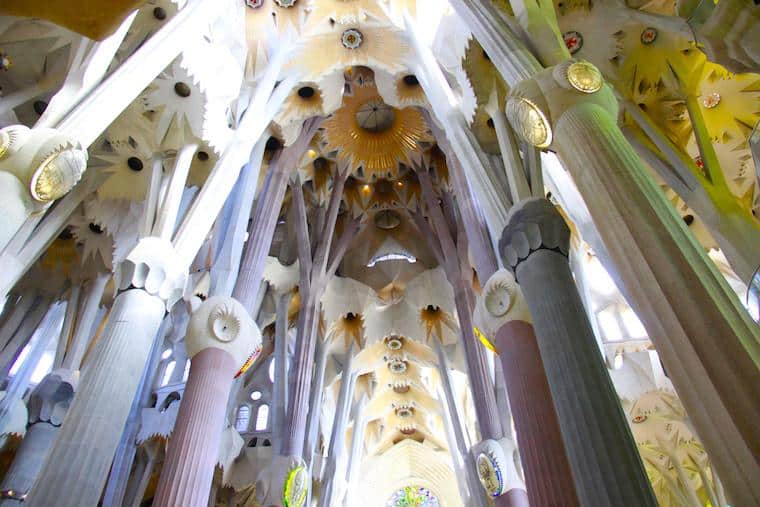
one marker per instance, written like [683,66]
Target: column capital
[535,105]
[533,224]
[223,323]
[154,266]
[47,162]
[50,400]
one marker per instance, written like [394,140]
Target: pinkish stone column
[544,460]
[220,337]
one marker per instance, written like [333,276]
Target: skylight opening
[393,256]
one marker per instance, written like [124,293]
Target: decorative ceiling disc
[351,38]
[398,367]
[387,220]
[498,298]
[529,121]
[585,77]
[394,343]
[375,116]
[712,100]
[404,412]
[490,475]
[573,41]
[58,174]
[285,3]
[254,4]
[649,35]
[294,491]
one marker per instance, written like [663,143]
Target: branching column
[221,336]
[606,466]
[706,339]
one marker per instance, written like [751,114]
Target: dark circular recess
[350,316]
[320,164]
[688,219]
[95,228]
[273,144]
[490,123]
[306,92]
[159,13]
[39,106]
[202,156]
[182,89]
[65,234]
[432,308]
[387,219]
[411,80]
[135,164]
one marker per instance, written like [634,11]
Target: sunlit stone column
[606,466]
[706,339]
[151,277]
[221,337]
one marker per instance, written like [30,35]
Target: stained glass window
[413,496]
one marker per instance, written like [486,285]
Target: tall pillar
[539,437]
[221,336]
[47,407]
[606,466]
[149,277]
[707,341]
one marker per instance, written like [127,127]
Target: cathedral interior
[379,253]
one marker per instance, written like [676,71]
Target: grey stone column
[47,407]
[606,466]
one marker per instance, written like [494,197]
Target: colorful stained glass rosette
[413,496]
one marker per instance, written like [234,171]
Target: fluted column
[536,425]
[151,277]
[705,338]
[101,406]
[220,338]
[606,466]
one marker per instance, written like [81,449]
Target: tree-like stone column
[605,463]
[47,407]
[503,313]
[221,337]
[705,337]
[150,277]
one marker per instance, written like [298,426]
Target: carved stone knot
[154,265]
[223,323]
[533,224]
[51,398]
[499,302]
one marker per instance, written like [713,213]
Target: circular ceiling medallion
[285,3]
[387,220]
[182,89]
[585,77]
[490,475]
[649,35]
[159,13]
[224,324]
[254,4]
[375,116]
[401,389]
[294,491]
[712,100]
[397,366]
[306,92]
[573,41]
[394,343]
[411,80]
[405,412]
[352,38]
[529,121]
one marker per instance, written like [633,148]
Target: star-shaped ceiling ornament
[374,136]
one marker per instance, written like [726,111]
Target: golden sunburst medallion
[373,134]
[584,77]
[529,121]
